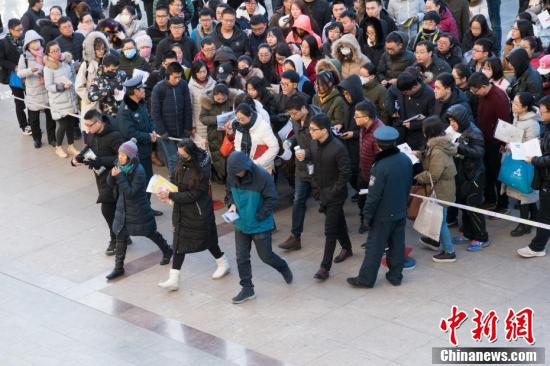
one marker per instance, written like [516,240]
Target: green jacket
[334,107]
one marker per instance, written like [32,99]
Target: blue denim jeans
[494,16]
[262,241]
[445,235]
[302,191]
[170,152]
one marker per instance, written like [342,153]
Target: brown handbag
[413,203]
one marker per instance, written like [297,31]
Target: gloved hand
[93,164]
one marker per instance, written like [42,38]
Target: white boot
[172,283]
[223,267]
[71,150]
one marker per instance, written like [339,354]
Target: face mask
[364,80]
[110,74]
[428,31]
[125,19]
[38,52]
[145,52]
[345,51]
[244,71]
[130,53]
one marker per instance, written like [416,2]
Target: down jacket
[193,214]
[390,66]
[171,109]
[352,63]
[334,106]
[63,101]
[88,70]
[438,163]
[133,208]
[302,22]
[34,81]
[196,91]
[542,163]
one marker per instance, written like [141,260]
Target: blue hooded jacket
[255,194]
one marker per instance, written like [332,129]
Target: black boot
[362,227]
[163,246]
[522,229]
[111,248]
[120,254]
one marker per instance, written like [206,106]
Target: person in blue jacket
[385,211]
[253,196]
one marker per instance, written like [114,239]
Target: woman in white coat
[31,70]
[59,80]
[254,137]
[199,84]
[94,48]
[525,118]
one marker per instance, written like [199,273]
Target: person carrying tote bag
[439,172]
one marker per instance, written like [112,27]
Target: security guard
[385,211]
[134,121]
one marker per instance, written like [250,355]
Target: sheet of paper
[230,216]
[284,132]
[452,134]
[223,118]
[363,191]
[406,149]
[532,148]
[407,23]
[517,151]
[544,19]
[507,132]
[144,75]
[158,183]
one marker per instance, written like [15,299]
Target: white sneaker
[27,131]
[72,150]
[172,283]
[223,268]
[526,252]
[60,152]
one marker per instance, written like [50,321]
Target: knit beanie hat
[129,148]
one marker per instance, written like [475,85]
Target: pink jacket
[302,22]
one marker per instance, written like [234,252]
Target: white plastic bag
[430,216]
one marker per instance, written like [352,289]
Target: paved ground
[57,309]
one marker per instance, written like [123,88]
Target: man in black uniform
[386,211]
[100,155]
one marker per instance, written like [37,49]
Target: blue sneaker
[477,245]
[457,240]
[410,263]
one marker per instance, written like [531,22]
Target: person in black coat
[331,173]
[133,121]
[171,110]
[69,40]
[526,78]
[11,47]
[102,141]
[32,15]
[159,29]
[177,35]
[385,211]
[541,182]
[193,213]
[470,176]
[352,90]
[447,95]
[373,46]
[49,27]
[133,215]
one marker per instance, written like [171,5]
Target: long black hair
[196,155]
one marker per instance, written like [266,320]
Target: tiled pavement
[56,307]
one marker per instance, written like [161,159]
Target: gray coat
[36,93]
[62,101]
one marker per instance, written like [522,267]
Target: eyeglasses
[286,85]
[209,50]
[313,129]
[55,51]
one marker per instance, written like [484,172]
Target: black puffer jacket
[193,214]
[238,42]
[353,85]
[390,66]
[133,208]
[471,147]
[105,146]
[526,78]
[542,163]
[302,138]
[332,170]
[48,30]
[457,97]
[186,44]
[133,121]
[453,57]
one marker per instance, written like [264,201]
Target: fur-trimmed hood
[348,40]
[329,64]
[442,143]
[88,52]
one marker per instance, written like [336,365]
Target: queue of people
[322,96]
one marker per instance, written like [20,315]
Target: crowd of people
[322,95]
